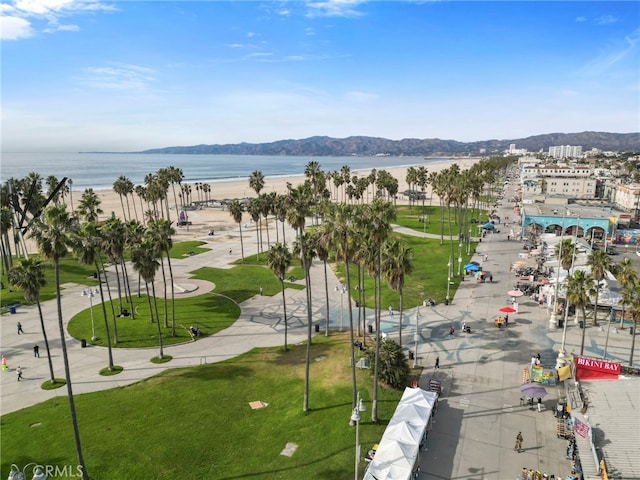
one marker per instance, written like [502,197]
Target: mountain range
[370,146]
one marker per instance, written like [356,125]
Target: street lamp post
[355,418]
[449,265]
[342,291]
[90,293]
[416,338]
[460,257]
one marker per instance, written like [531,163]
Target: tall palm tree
[578,284]
[175,175]
[397,261]
[28,275]
[51,233]
[236,210]
[279,260]
[339,227]
[254,211]
[378,217]
[323,254]
[124,187]
[161,231]
[89,207]
[86,246]
[631,299]
[599,262]
[299,201]
[626,275]
[144,260]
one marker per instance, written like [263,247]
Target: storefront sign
[590,368]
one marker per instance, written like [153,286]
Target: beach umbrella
[533,390]
[471,267]
[515,293]
[508,310]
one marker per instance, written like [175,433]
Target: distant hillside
[369,146]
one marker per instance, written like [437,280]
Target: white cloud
[14,28]
[334,8]
[17,19]
[119,77]
[606,20]
[614,54]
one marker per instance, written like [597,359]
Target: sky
[133,75]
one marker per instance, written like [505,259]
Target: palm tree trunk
[67,374]
[584,329]
[353,353]
[113,312]
[326,290]
[376,367]
[400,319]
[127,287]
[164,294]
[633,339]
[173,297]
[106,321]
[155,301]
[46,342]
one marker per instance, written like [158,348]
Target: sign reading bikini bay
[590,368]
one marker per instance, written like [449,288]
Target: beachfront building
[594,224]
[565,151]
[559,180]
[627,197]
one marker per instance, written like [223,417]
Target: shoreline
[219,218]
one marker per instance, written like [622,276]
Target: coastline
[219,218]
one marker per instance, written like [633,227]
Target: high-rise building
[565,151]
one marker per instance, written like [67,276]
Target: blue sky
[127,75]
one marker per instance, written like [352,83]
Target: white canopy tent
[398,450]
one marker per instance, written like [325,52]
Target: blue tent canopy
[471,267]
[488,226]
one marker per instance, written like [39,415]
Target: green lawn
[196,423]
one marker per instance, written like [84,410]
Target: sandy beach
[219,219]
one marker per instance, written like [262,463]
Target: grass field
[196,423]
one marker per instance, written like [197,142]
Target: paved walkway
[479,414]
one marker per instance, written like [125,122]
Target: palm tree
[600,263]
[51,233]
[28,276]
[279,260]
[124,187]
[236,210]
[161,231]
[175,175]
[86,246]
[397,262]
[254,211]
[578,284]
[323,254]
[339,230]
[296,216]
[626,275]
[378,218]
[144,261]
[631,299]
[89,208]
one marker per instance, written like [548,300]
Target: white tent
[398,449]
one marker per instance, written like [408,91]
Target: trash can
[83,342]
[12,309]
[370,328]
[631,331]
[411,356]
[561,323]
[581,323]
[317,327]
[446,301]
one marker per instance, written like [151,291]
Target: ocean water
[100,170]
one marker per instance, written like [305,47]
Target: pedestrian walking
[230,250]
[486,257]
[261,290]
[437,362]
[4,363]
[519,440]
[506,320]
[19,372]
[490,278]
[390,311]
[20,328]
[36,351]
[539,404]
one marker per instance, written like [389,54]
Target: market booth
[397,455]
